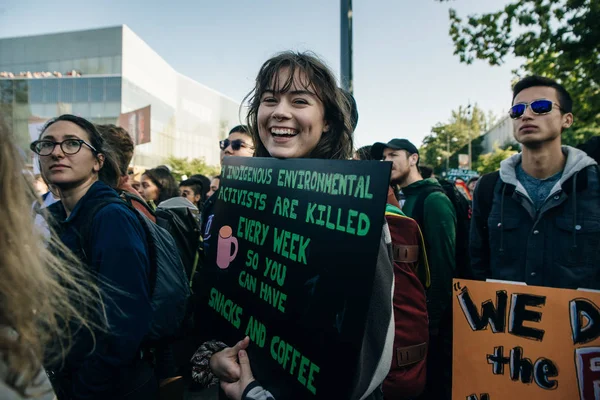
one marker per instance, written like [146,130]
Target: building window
[67,88]
[36,90]
[96,90]
[82,87]
[50,90]
[113,89]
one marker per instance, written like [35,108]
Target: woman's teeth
[283,132]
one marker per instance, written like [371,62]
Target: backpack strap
[128,198]
[485,195]
[87,215]
[423,272]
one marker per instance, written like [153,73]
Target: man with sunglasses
[537,220]
[238,143]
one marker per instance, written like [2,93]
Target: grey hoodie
[576,161]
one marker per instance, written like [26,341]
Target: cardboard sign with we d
[525,342]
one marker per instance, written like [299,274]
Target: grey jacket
[559,246]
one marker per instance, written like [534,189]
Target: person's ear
[414,158]
[567,120]
[99,162]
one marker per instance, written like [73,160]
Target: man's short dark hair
[240,129]
[564,98]
[195,184]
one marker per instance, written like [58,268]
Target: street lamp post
[448,151]
[470,115]
[346,45]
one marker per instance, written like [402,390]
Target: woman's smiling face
[291,123]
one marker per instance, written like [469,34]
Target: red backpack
[407,376]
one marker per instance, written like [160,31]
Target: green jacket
[439,230]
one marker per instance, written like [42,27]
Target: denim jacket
[557,246]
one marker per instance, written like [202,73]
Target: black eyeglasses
[69,146]
[539,107]
[235,144]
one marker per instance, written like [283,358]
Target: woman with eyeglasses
[296,110]
[112,245]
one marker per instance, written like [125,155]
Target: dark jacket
[439,231]
[206,218]
[557,247]
[119,256]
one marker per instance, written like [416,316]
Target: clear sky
[406,78]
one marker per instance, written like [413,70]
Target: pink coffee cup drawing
[226,239]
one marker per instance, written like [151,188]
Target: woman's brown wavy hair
[334,144]
[41,295]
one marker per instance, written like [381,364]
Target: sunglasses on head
[538,107]
[235,144]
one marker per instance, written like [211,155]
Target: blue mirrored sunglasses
[538,107]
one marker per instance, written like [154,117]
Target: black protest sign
[293,251]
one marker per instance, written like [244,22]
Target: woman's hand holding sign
[235,390]
[224,363]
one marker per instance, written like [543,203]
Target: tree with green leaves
[449,139]
[559,39]
[490,162]
[185,166]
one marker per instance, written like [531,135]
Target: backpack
[463,210]
[407,376]
[179,220]
[169,288]
[485,193]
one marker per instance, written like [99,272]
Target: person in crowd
[439,230]
[215,182]
[426,171]
[191,189]
[158,185]
[205,182]
[318,114]
[364,153]
[537,219]
[411,278]
[122,146]
[37,291]
[239,144]
[111,364]
[463,189]
[136,180]
[471,183]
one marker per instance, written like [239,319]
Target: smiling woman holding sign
[296,110]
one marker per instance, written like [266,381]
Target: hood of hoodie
[577,160]
[415,186]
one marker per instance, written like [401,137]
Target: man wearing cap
[439,229]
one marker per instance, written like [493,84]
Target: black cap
[396,144]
